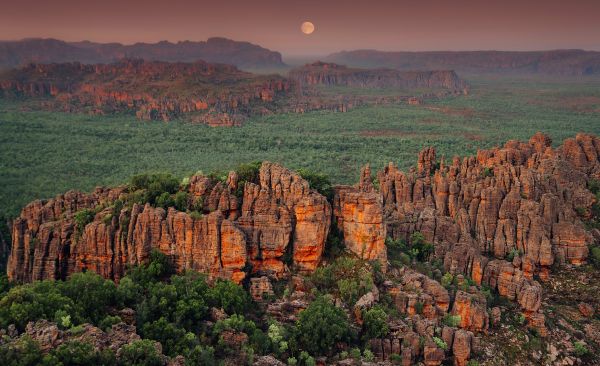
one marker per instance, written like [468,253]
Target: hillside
[215,94]
[217,50]
[557,62]
[331,74]
[442,263]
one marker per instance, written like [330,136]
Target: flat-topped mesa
[523,202]
[178,90]
[333,74]
[278,214]
[358,213]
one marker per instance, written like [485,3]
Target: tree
[140,353]
[175,340]
[375,323]
[321,325]
[229,296]
[82,354]
[318,181]
[23,352]
[92,295]
[30,302]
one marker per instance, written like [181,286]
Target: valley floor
[44,153]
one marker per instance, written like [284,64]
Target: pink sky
[348,24]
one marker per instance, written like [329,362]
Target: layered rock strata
[279,214]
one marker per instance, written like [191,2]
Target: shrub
[228,296]
[292,361]
[318,181]
[23,352]
[201,355]
[79,353]
[175,340]
[440,343]
[368,355]
[580,349]
[181,201]
[82,218]
[447,280]
[30,302]
[321,325]
[92,295]
[375,324]
[140,353]
[451,320]
[107,323]
[420,249]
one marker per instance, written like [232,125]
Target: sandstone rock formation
[555,62]
[333,74]
[279,214]
[358,214]
[522,202]
[190,90]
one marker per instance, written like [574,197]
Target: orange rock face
[359,215]
[279,214]
[523,201]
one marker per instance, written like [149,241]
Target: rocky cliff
[151,90]
[503,216]
[557,62]
[332,74]
[507,221]
[219,50]
[230,236]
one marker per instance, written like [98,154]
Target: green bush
[34,301]
[107,323]
[81,354]
[92,295]
[82,218]
[375,323]
[175,340]
[318,181]
[451,320]
[228,296]
[140,353]
[321,326]
[23,352]
[580,349]
[420,248]
[440,343]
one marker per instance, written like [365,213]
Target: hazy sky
[349,24]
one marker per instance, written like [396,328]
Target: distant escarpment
[215,94]
[556,62]
[331,74]
[219,50]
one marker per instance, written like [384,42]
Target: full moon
[307,27]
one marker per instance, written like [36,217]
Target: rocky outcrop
[277,215]
[331,74]
[523,202]
[216,49]
[190,90]
[358,214]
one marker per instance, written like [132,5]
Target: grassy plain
[45,153]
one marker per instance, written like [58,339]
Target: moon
[307,27]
